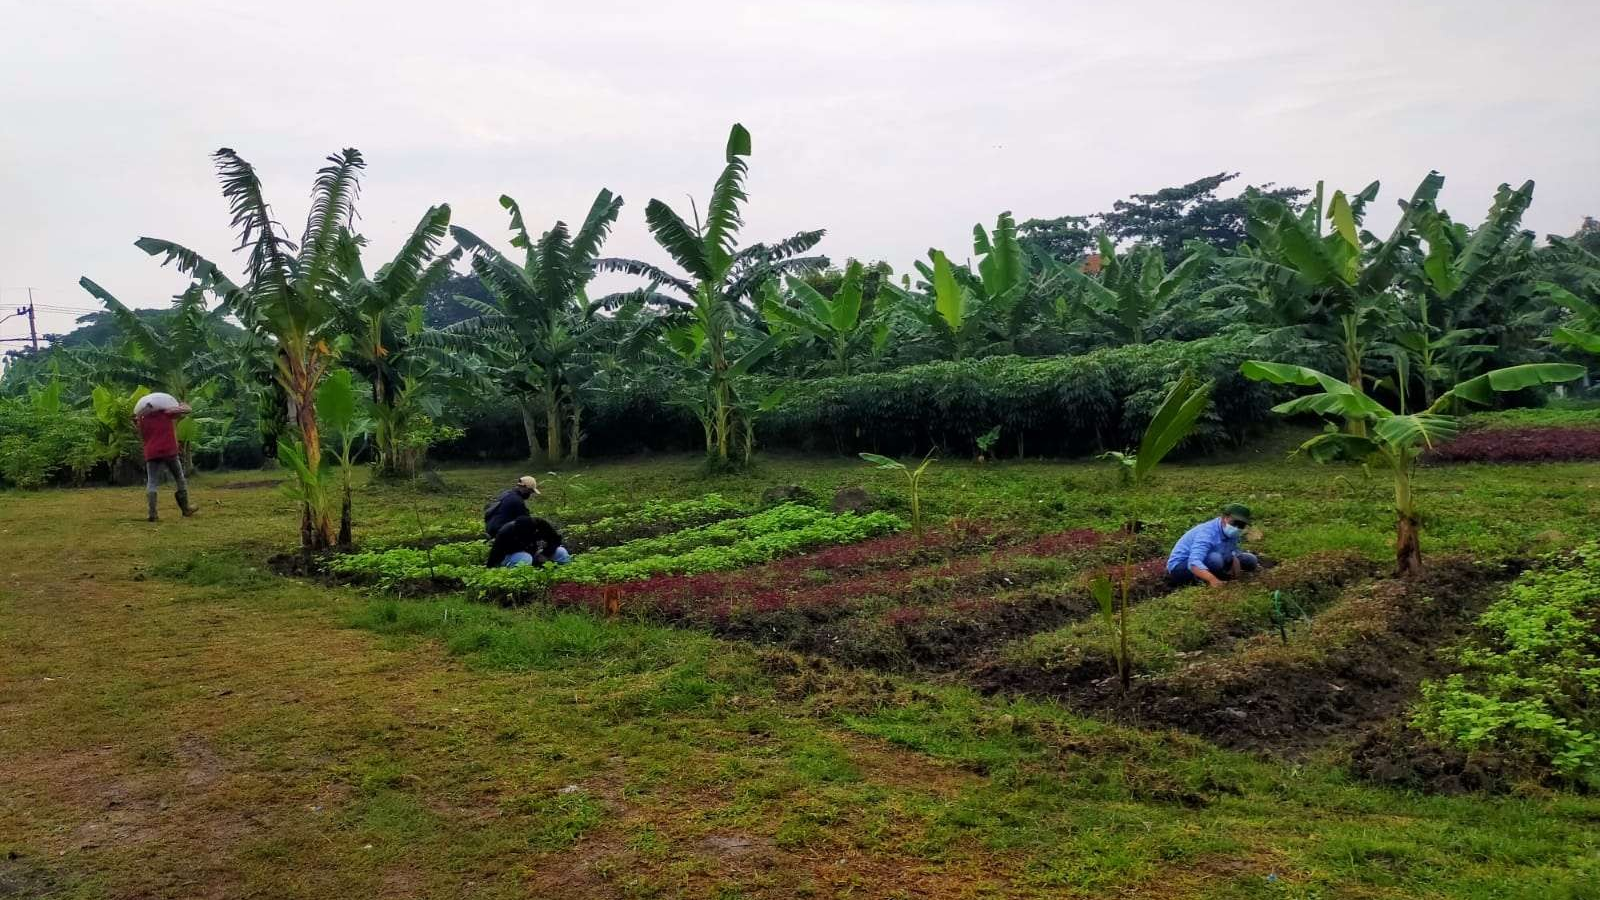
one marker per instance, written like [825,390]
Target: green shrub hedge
[1051,406]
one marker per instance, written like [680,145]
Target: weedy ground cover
[546,752]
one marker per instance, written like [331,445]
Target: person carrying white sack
[156,416]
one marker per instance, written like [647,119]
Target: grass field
[177,721]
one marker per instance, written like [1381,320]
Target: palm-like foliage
[1395,440]
[340,408]
[290,295]
[1581,330]
[838,322]
[1170,426]
[967,313]
[382,317]
[1468,283]
[1335,287]
[177,359]
[541,321]
[717,312]
[1134,296]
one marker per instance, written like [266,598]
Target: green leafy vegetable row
[656,513]
[729,544]
[590,526]
[595,568]
[1529,685]
[788,517]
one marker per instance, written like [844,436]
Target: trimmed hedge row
[1052,406]
[1045,406]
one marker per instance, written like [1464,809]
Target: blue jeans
[560,557]
[1218,566]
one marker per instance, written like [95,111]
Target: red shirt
[159,436]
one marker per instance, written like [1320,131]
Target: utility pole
[33,329]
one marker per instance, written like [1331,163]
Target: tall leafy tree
[540,315]
[840,322]
[718,335]
[1396,439]
[1335,287]
[1173,217]
[290,296]
[1064,239]
[970,313]
[383,318]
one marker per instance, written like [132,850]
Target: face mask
[1232,531]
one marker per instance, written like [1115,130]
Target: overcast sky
[895,125]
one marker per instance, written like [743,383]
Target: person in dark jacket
[509,506]
[526,541]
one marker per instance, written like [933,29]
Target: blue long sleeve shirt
[1199,542]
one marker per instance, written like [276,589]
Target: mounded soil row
[1357,666]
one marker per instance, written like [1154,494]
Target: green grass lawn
[176,721]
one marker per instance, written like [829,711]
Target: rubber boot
[150,501]
[183,503]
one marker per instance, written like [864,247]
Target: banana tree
[717,302]
[913,481]
[837,322]
[382,315]
[290,296]
[966,313]
[540,306]
[723,402]
[944,308]
[1335,287]
[177,359]
[116,441]
[339,407]
[1460,272]
[1135,295]
[1172,423]
[1581,329]
[1395,440]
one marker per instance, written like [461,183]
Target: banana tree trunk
[345,537]
[552,426]
[576,423]
[530,427]
[316,526]
[1408,527]
[1352,371]
[721,401]
[388,462]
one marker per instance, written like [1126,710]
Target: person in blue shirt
[1210,551]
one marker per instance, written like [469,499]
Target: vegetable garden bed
[1520,445]
[1353,665]
[727,544]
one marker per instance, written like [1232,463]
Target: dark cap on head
[1238,512]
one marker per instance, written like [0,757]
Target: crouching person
[526,541]
[1209,552]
